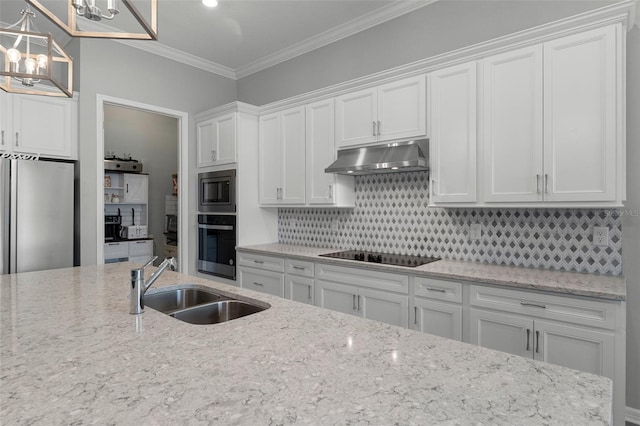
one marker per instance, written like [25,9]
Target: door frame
[183,167]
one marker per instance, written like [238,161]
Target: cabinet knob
[2,132]
[546,183]
[538,183]
[17,138]
[214,155]
[528,333]
[379,124]
[373,123]
[433,187]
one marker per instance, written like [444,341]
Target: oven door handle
[216,227]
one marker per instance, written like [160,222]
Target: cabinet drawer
[262,281]
[267,263]
[579,311]
[363,278]
[438,289]
[116,250]
[299,267]
[141,248]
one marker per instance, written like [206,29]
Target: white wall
[110,68]
[152,139]
[445,26]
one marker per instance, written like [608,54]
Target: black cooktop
[384,258]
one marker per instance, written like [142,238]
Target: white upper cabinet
[39,125]
[391,111]
[581,74]
[512,126]
[216,140]
[452,114]
[324,188]
[282,157]
[136,188]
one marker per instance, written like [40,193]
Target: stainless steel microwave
[217,192]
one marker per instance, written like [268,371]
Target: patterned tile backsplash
[391,215]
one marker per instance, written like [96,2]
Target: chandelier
[85,18]
[32,62]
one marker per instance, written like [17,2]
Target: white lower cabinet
[544,327]
[140,251]
[299,284]
[261,273]
[375,295]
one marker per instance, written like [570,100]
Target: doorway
[155,137]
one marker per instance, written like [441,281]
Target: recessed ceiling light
[210,3]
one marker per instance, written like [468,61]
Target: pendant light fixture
[138,20]
[32,62]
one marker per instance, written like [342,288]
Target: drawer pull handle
[300,268]
[354,302]
[415,315]
[439,290]
[258,284]
[309,292]
[528,333]
[533,305]
[258,261]
[537,342]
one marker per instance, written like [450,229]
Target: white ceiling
[240,37]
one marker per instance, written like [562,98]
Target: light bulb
[210,3]
[30,65]
[42,61]
[13,55]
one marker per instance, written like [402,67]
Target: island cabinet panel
[337,297]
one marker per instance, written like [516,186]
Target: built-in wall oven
[217,245]
[217,192]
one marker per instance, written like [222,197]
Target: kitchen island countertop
[71,353]
[572,283]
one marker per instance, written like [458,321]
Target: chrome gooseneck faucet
[139,287]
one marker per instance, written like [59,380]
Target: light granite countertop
[578,284]
[70,353]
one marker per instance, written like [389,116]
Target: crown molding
[376,17]
[332,35]
[616,13]
[235,106]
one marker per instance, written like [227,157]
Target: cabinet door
[453,134]
[43,125]
[506,333]
[321,152]
[226,138]
[580,83]
[262,281]
[6,124]
[293,156]
[337,297]
[206,142]
[136,188]
[401,109]
[512,126]
[559,344]
[385,307]
[216,140]
[299,289]
[441,319]
[270,159]
[356,117]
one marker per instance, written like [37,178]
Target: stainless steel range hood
[388,158]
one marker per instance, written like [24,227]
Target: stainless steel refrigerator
[36,215]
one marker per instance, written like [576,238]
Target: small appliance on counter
[119,164]
[112,226]
[131,232]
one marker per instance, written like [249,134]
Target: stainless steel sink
[200,305]
[213,313]
[168,301]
